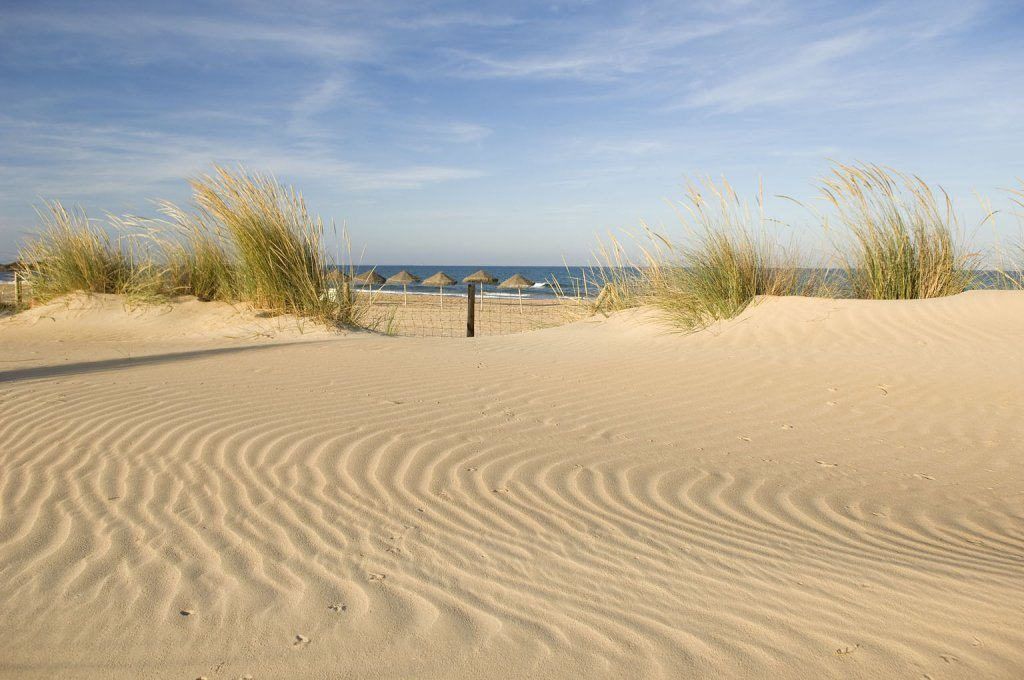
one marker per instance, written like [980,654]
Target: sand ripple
[807,492]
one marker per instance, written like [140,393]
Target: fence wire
[434,315]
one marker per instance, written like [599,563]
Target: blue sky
[501,133]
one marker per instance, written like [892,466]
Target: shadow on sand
[82,367]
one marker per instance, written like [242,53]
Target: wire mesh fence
[447,314]
[418,314]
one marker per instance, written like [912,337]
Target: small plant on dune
[728,259]
[903,241]
[69,254]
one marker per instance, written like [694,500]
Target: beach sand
[816,489]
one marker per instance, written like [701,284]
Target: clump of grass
[280,264]
[71,254]
[728,259]
[249,240]
[903,241]
[199,260]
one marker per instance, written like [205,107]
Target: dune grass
[901,241]
[70,253]
[726,259]
[278,262]
[249,240]
[615,281]
[1012,269]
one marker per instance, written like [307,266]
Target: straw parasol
[440,280]
[517,281]
[403,278]
[370,278]
[481,276]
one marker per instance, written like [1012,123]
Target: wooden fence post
[17,289]
[470,310]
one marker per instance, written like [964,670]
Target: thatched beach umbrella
[517,281]
[370,278]
[404,278]
[481,276]
[440,280]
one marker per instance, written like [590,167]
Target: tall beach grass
[72,253]
[247,239]
[1012,268]
[897,239]
[726,257]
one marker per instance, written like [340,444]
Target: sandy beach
[817,488]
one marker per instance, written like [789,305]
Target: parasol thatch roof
[439,280]
[370,277]
[336,276]
[403,278]
[516,281]
[481,276]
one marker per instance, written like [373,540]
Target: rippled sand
[816,489]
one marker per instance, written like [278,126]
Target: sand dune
[818,488]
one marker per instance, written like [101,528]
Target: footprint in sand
[186,612]
[300,641]
[787,427]
[377,577]
[823,463]
[337,607]
[921,475]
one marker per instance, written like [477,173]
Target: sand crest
[817,488]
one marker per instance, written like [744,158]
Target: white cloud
[808,73]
